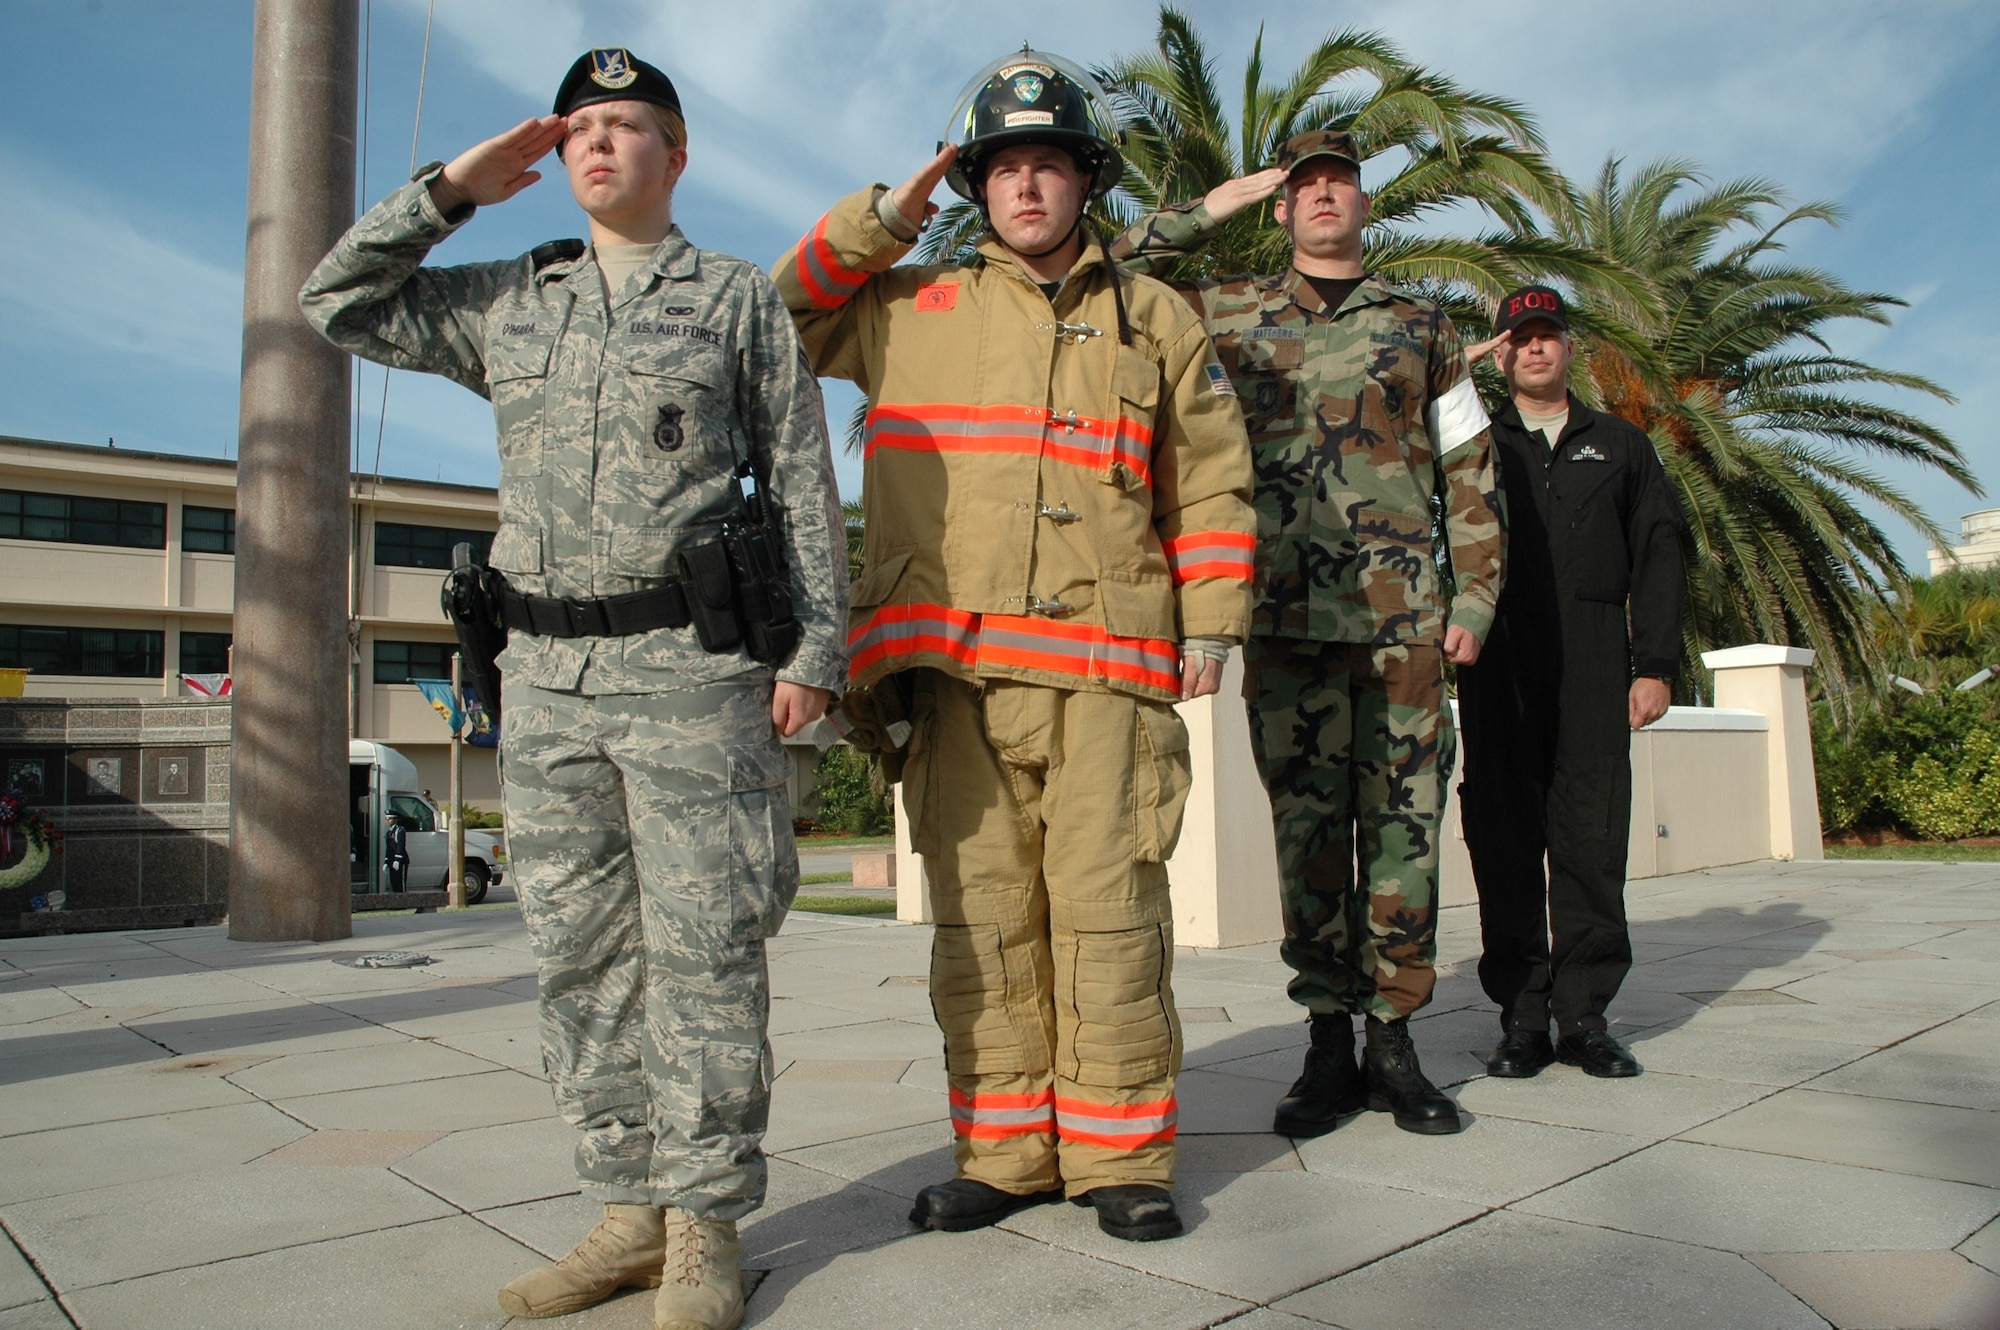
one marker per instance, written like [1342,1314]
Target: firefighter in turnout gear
[1374,474]
[1058,550]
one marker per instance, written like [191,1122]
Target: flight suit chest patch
[1585,452]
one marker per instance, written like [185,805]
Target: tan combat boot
[702,1288]
[625,1250]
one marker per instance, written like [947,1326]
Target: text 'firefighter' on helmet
[1033,97]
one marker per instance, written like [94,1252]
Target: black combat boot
[1330,1086]
[963,1204]
[1396,1084]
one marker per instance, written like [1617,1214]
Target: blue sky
[123,162]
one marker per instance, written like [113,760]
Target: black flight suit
[1548,768]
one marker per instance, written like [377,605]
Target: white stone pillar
[1772,680]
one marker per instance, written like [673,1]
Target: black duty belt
[607,616]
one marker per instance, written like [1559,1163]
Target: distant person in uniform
[1584,650]
[396,848]
[639,383]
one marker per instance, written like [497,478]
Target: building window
[25,515]
[122,653]
[400,662]
[208,530]
[399,546]
[204,653]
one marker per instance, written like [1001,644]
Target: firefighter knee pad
[1119,995]
[984,1003]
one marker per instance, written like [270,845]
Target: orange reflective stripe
[1085,649]
[997,1116]
[1031,430]
[1212,554]
[892,632]
[1117,1126]
[828,282]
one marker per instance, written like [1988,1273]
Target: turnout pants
[1354,747]
[652,840]
[1044,817]
[1548,781]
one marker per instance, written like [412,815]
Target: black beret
[614,74]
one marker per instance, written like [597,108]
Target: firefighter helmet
[1032,97]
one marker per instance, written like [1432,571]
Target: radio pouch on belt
[711,595]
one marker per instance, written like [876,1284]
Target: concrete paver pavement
[195,1132]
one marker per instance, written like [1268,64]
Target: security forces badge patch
[611,67]
[668,433]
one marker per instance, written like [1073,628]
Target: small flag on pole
[209,685]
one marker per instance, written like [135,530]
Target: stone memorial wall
[139,787]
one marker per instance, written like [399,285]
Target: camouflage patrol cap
[1301,148]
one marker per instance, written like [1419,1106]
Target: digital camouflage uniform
[1363,423]
[644,784]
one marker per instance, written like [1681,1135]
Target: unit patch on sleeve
[1218,381]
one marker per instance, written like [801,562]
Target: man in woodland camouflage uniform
[644,779]
[1365,430]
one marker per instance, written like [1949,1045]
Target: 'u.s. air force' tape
[1218,381]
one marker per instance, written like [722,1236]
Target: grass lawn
[815,844]
[1938,852]
[845,905]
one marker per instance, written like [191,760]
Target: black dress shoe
[1330,1087]
[1135,1212]
[1597,1053]
[1521,1053]
[1397,1084]
[964,1204]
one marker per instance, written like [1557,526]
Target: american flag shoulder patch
[1218,381]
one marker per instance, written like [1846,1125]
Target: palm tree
[1724,361]
[1455,148]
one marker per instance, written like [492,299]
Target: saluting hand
[498,169]
[1478,351]
[1233,196]
[913,197]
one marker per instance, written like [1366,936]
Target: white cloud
[74,271]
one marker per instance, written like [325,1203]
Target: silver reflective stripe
[1096,1126]
[1004,1117]
[1080,650]
[826,280]
[903,630]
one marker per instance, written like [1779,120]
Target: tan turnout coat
[1043,502]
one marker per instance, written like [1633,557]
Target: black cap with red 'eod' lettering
[1531,302]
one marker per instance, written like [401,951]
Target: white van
[381,783]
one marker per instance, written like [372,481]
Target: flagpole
[457,823]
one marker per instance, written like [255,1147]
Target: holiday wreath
[38,835]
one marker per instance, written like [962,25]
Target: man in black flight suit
[1549,708]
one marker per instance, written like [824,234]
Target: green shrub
[850,800]
[475,820]
[1930,765]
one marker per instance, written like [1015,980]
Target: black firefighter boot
[1330,1086]
[1396,1084]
